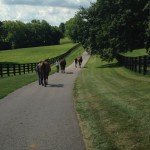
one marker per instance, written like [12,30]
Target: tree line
[16,34]
[109,27]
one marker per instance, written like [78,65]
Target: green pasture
[113,105]
[10,84]
[135,53]
[34,54]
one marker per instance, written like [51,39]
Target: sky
[52,11]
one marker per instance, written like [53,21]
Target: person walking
[37,69]
[76,62]
[57,66]
[80,61]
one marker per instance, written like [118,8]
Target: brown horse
[63,65]
[80,61]
[44,72]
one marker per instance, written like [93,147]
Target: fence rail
[7,69]
[139,64]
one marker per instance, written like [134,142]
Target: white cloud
[55,3]
[53,11]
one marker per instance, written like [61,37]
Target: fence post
[8,70]
[28,67]
[24,71]
[140,64]
[32,67]
[145,65]
[1,70]
[132,68]
[120,59]
[126,62]
[123,60]
[19,69]
[130,63]
[14,69]
[135,64]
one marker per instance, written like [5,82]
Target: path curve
[42,118]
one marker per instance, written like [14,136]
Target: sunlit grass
[9,84]
[113,106]
[135,53]
[34,54]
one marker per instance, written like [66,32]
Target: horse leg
[39,79]
[42,80]
[47,80]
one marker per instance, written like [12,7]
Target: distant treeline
[16,34]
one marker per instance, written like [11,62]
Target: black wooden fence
[139,64]
[7,69]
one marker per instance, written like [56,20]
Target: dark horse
[63,65]
[80,61]
[44,72]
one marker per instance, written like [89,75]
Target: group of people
[62,64]
[78,60]
[43,68]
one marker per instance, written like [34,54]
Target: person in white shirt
[57,66]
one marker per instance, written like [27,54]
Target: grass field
[113,105]
[34,54]
[9,84]
[136,52]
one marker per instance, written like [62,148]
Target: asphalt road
[42,118]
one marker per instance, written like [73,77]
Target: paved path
[38,118]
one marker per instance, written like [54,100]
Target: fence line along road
[7,69]
[139,64]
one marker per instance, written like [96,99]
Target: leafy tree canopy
[108,27]
[16,34]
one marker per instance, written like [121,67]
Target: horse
[80,61]
[45,69]
[63,65]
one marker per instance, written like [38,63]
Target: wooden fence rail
[14,69]
[7,69]
[139,64]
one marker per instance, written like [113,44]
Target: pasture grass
[113,106]
[10,84]
[34,54]
[135,53]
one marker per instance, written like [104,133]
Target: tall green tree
[16,34]
[111,26]
[147,33]
[69,28]
[62,29]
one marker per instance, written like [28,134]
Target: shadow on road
[69,72]
[55,85]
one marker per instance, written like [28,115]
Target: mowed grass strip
[113,105]
[135,53]
[34,54]
[10,84]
